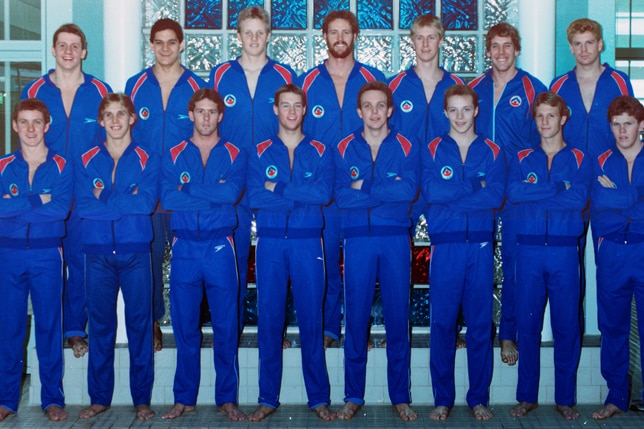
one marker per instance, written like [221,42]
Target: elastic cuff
[105,194]
[185,188]
[35,201]
[279,188]
[366,186]
[560,186]
[476,184]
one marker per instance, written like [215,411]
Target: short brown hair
[166,24]
[347,15]
[583,25]
[460,91]
[503,29]
[72,29]
[117,97]
[626,104]
[254,12]
[209,94]
[551,99]
[376,85]
[31,104]
[427,20]
[289,87]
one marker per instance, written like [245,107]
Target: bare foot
[55,413]
[481,412]
[606,412]
[348,410]
[328,341]
[509,352]
[5,412]
[260,413]
[523,408]
[439,413]
[325,413]
[286,343]
[177,410]
[157,337]
[383,344]
[460,342]
[370,344]
[232,411]
[92,410]
[405,412]
[144,412]
[569,413]
[78,345]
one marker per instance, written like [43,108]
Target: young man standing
[247,85]
[160,95]
[331,90]
[202,179]
[506,96]
[617,205]
[290,178]
[549,187]
[463,181]
[36,187]
[376,181]
[116,188]
[587,128]
[72,98]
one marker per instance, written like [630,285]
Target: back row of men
[462,184]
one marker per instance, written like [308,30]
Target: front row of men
[463,179]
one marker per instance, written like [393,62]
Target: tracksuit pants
[37,272]
[332,255]
[74,292]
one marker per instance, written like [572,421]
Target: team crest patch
[184,177]
[532,178]
[515,101]
[144,113]
[354,172]
[447,172]
[406,106]
[271,172]
[230,100]
[318,111]
[98,183]
[13,190]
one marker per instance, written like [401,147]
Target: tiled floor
[298,416]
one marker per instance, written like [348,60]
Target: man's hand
[606,182]
[357,185]
[270,186]
[6,196]
[97,192]
[45,198]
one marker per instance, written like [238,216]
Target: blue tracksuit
[117,231]
[328,122]
[376,229]
[31,264]
[547,266]
[618,221]
[71,136]
[460,224]
[415,116]
[508,122]
[589,131]
[289,244]
[229,80]
[203,259]
[160,128]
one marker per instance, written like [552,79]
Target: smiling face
[31,127]
[373,110]
[206,117]
[290,111]
[117,121]
[340,39]
[548,120]
[166,47]
[503,54]
[68,51]
[461,112]
[253,36]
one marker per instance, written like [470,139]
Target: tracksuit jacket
[590,131]
[71,136]
[414,116]
[159,129]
